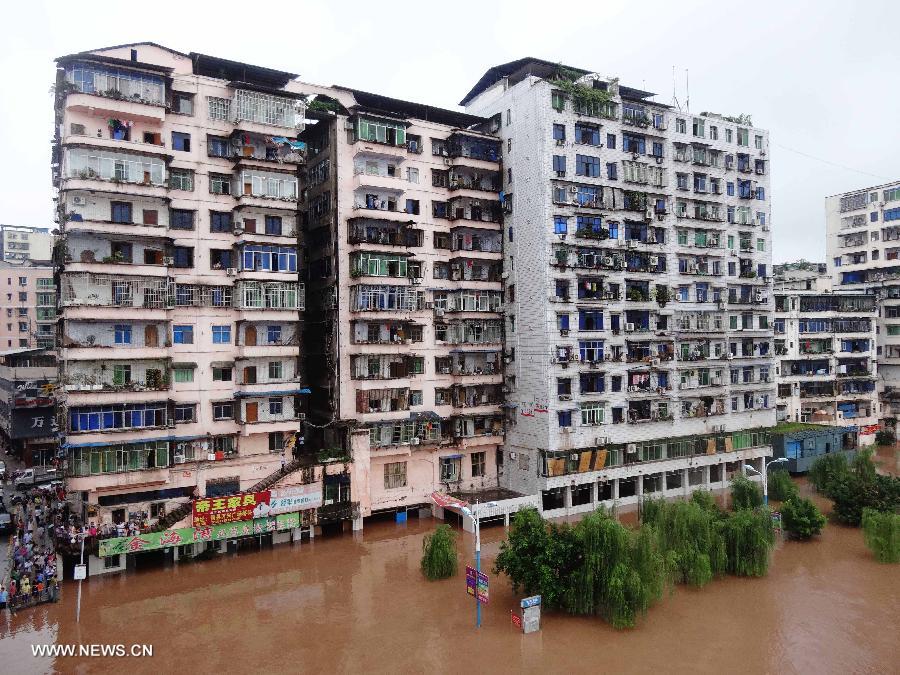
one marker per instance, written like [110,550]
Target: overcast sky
[821,76]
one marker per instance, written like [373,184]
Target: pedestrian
[282,461]
[4,597]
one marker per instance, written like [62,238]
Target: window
[560,225]
[587,134]
[123,334]
[183,257]
[592,414]
[412,175]
[219,184]
[121,374]
[181,179]
[183,335]
[743,136]
[120,212]
[657,149]
[276,370]
[559,164]
[611,170]
[450,469]
[218,147]
[273,334]
[873,217]
[558,101]
[611,141]
[183,374]
[760,244]
[276,406]
[220,221]
[183,104]
[728,136]
[559,132]
[729,189]
[698,127]
[587,166]
[223,410]
[760,193]
[564,417]
[221,374]
[181,141]
[713,133]
[185,412]
[478,464]
[508,116]
[221,335]
[180,219]
[394,475]
[680,125]
[632,143]
[758,142]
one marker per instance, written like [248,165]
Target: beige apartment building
[405,244]
[28,294]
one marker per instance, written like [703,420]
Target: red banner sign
[230,509]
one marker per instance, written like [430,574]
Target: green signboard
[150,541]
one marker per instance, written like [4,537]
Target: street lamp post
[765,476]
[474,514]
[78,606]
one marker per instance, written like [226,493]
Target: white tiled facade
[613,378]
[826,370]
[180,292]
[863,244]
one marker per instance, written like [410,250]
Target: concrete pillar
[175,553]
[358,524]
[639,483]
[706,477]
[595,494]
[615,489]
[567,497]
[723,475]
[686,482]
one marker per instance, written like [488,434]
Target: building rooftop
[864,189]
[376,103]
[225,69]
[522,68]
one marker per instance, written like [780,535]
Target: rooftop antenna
[687,86]
[674,95]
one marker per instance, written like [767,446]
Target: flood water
[359,604]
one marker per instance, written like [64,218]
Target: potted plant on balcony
[662,295]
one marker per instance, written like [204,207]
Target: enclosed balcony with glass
[117,167]
[462,145]
[383,232]
[115,82]
[277,295]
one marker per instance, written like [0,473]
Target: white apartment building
[826,370]
[405,324]
[863,244]
[20,244]
[638,307]
[180,295]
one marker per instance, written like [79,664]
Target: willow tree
[882,534]
[745,494]
[439,555]
[781,487]
[689,538]
[620,573]
[749,538]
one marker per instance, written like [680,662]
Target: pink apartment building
[406,289]
[181,292]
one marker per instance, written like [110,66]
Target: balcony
[385,366]
[82,289]
[471,209]
[463,146]
[382,401]
[272,295]
[83,167]
[464,178]
[250,149]
[117,376]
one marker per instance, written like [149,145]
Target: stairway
[172,517]
[273,478]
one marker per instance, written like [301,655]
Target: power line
[826,161]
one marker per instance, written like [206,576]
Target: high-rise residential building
[638,312]
[20,244]
[405,334]
[180,286]
[863,244]
[28,294]
[28,421]
[825,344]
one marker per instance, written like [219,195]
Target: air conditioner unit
[79,201]
[168,261]
[565,397]
[573,189]
[415,440]
[564,332]
[560,141]
[607,261]
[179,459]
[631,448]
[238,230]
[301,416]
[439,312]
[601,440]
[231,271]
[630,243]
[654,260]
[629,327]
[730,356]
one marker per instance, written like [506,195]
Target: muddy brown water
[358,604]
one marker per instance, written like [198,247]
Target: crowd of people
[39,517]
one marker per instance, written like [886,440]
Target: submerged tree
[745,494]
[689,538]
[439,554]
[882,535]
[801,518]
[749,538]
[826,470]
[781,487]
